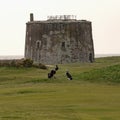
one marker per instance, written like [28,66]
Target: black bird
[56,68]
[51,74]
[69,76]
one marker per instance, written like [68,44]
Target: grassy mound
[105,70]
[109,74]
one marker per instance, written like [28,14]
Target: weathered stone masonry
[57,41]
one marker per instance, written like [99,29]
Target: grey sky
[104,14]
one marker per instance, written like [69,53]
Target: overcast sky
[104,15]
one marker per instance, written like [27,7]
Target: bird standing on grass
[51,74]
[69,76]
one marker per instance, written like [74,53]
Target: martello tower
[59,39]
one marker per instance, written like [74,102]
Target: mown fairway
[93,94]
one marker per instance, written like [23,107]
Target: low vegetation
[109,74]
[21,63]
[27,94]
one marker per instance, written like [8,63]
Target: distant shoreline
[6,57]
[105,55]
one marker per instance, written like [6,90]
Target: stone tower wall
[59,41]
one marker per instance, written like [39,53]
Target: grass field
[93,94]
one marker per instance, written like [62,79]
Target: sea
[7,57]
[105,55]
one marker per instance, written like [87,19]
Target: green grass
[93,94]
[109,75]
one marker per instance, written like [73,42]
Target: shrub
[21,63]
[5,63]
[40,65]
[13,63]
[27,63]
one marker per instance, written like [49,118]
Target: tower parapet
[62,17]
